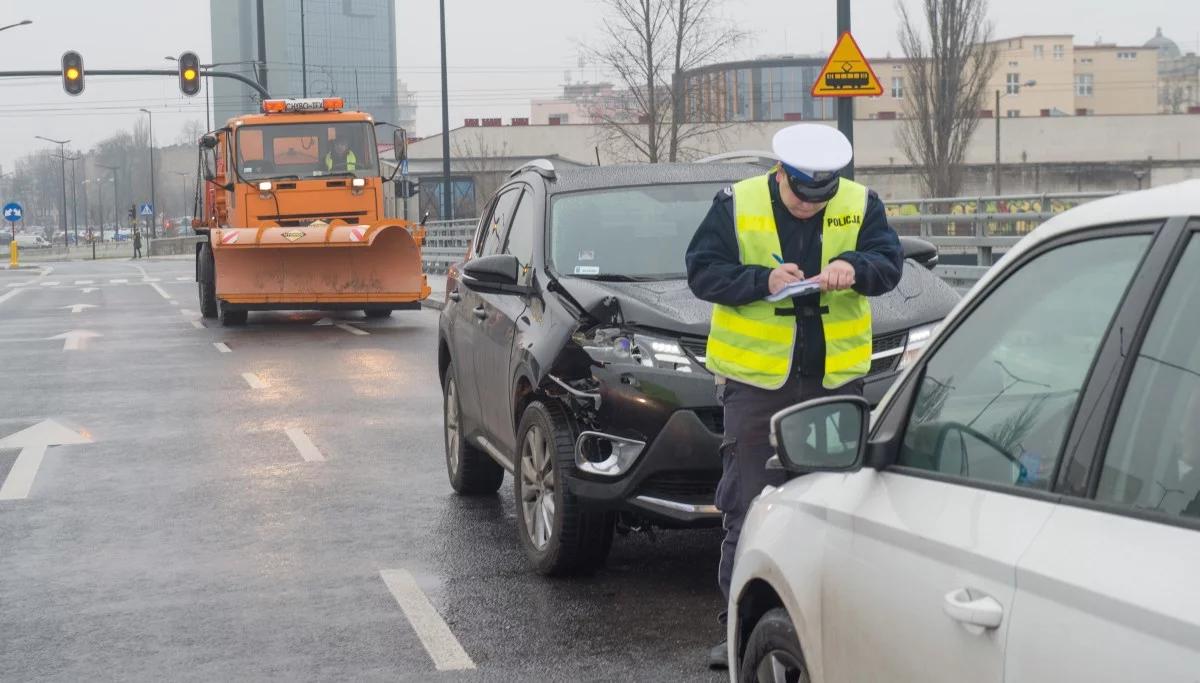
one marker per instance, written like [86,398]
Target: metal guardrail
[103,250]
[985,226]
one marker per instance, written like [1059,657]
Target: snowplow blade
[344,266]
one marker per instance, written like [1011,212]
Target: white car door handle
[976,610]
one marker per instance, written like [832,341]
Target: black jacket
[716,273]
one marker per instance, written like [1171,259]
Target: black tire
[575,541]
[378,312]
[232,318]
[472,472]
[773,641]
[206,282]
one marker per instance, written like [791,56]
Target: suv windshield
[306,150]
[628,233]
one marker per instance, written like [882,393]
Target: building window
[1038,51]
[1013,65]
[1059,51]
[1084,85]
[1013,83]
[897,87]
[1013,113]
[1126,56]
[1085,60]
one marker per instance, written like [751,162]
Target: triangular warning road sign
[847,73]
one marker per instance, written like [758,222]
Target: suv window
[1153,459]
[493,232]
[996,398]
[520,235]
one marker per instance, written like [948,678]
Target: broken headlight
[657,352]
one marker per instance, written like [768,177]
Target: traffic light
[72,72]
[189,73]
[407,188]
[132,211]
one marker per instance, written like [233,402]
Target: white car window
[997,397]
[1153,459]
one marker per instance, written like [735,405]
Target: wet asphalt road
[190,540]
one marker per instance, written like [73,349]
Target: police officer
[800,220]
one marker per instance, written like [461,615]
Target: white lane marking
[20,477]
[76,308]
[16,284]
[185,278]
[253,380]
[84,282]
[187,312]
[54,283]
[6,297]
[161,292]
[307,449]
[74,340]
[443,648]
[151,279]
[222,347]
[142,271]
[174,302]
[196,324]
[118,282]
[87,290]
[352,329]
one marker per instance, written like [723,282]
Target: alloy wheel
[779,666]
[452,436]
[537,487]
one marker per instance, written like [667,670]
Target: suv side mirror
[822,435]
[917,249]
[496,274]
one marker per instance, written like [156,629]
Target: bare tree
[948,77]
[192,131]
[649,45]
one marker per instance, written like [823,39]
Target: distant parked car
[1024,504]
[32,242]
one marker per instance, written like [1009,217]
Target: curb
[433,304]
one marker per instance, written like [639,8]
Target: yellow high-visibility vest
[351,160]
[755,345]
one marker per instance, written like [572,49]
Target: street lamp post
[996,170]
[153,204]
[116,204]
[26,22]
[62,158]
[445,122]
[74,199]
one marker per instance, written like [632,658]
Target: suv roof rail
[756,157]
[542,167]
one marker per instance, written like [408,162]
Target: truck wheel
[378,312]
[232,318]
[559,537]
[206,282]
[773,651]
[472,472]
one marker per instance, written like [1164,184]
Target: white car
[1024,504]
[32,242]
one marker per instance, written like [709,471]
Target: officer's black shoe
[718,656]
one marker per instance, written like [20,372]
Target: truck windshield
[627,234]
[306,150]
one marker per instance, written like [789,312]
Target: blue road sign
[13,212]
[146,210]
[404,167]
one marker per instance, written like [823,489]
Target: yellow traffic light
[189,74]
[72,72]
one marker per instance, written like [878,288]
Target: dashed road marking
[161,292]
[253,380]
[151,279]
[84,282]
[88,290]
[222,347]
[17,284]
[174,302]
[307,449]
[196,324]
[118,282]
[439,641]
[185,278]
[352,329]
[50,284]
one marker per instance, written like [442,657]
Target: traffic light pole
[261,90]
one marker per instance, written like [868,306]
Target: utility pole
[446,203]
[62,159]
[262,47]
[996,170]
[845,105]
[74,199]
[116,204]
[153,205]
[303,52]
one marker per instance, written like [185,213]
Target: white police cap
[814,149]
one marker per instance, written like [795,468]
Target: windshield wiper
[617,277]
[339,174]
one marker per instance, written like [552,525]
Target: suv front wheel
[773,651]
[558,536]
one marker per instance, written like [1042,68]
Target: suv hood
[669,305]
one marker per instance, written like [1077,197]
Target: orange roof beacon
[294,216]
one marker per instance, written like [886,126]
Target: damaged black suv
[571,354]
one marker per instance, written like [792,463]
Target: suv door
[504,319]
[919,581]
[474,307]
[1109,589]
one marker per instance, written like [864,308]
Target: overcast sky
[500,53]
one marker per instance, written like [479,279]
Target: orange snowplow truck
[294,217]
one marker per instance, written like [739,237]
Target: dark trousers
[747,447]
